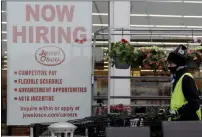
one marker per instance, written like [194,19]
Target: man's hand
[173,113]
[162,111]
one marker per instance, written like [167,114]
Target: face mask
[172,69]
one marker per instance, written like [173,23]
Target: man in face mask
[185,98]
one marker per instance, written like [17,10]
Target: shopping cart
[95,126]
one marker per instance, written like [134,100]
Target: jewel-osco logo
[50,55]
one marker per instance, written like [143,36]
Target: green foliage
[123,50]
[153,58]
[195,53]
[120,109]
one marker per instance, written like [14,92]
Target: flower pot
[119,64]
[193,64]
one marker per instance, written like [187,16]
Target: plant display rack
[111,31]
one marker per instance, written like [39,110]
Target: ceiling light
[155,26]
[142,26]
[104,25]
[101,42]
[170,26]
[168,36]
[194,26]
[158,15]
[3,22]
[174,1]
[192,16]
[139,15]
[3,32]
[100,14]
[192,1]
[151,15]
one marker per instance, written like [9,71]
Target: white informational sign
[49,61]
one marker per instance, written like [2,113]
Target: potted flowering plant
[122,54]
[119,109]
[153,58]
[194,57]
[114,109]
[138,58]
